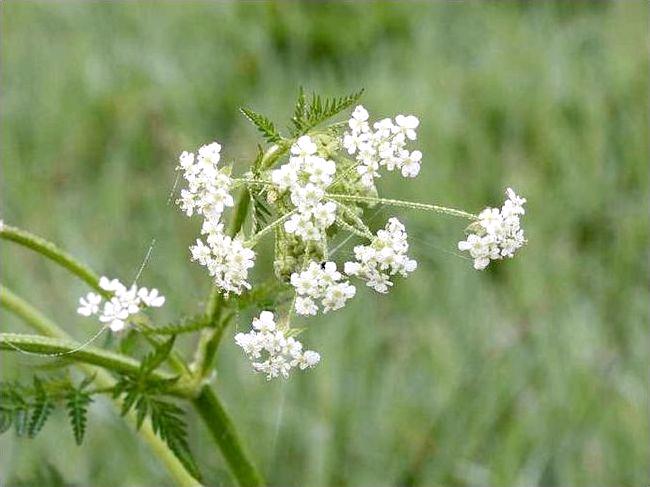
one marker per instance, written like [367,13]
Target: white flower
[129,299]
[89,305]
[265,322]
[307,175]
[123,303]
[305,306]
[320,284]
[227,259]
[407,125]
[210,153]
[384,257]
[271,351]
[114,314]
[151,298]
[497,233]
[111,285]
[208,195]
[411,164]
[382,147]
[303,147]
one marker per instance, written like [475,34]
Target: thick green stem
[224,433]
[404,204]
[103,379]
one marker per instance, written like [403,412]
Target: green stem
[51,251]
[251,242]
[404,204]
[103,379]
[112,361]
[224,433]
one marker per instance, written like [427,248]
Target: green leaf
[168,423]
[6,420]
[42,409]
[260,212]
[265,295]
[77,401]
[307,116]
[263,124]
[301,105]
[152,360]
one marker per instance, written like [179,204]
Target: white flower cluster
[208,187]
[281,353]
[383,258]
[383,146]
[227,259]
[208,195]
[320,283]
[306,176]
[124,303]
[499,232]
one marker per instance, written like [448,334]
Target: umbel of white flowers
[124,303]
[497,234]
[302,193]
[271,351]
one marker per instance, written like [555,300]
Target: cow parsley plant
[309,191]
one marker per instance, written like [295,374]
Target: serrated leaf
[77,402]
[263,124]
[186,325]
[301,104]
[318,110]
[41,410]
[6,420]
[167,422]
[157,357]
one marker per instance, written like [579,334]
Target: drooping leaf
[263,124]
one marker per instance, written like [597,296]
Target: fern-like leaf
[263,124]
[186,325]
[77,401]
[167,422]
[152,360]
[307,116]
[43,406]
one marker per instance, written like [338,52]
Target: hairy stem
[207,402]
[224,433]
[404,204]
[267,229]
[103,379]
[121,364]
[51,251]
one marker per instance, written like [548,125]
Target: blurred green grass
[532,373]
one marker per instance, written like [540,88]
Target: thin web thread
[88,342]
[57,354]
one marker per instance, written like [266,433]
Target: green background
[534,372]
